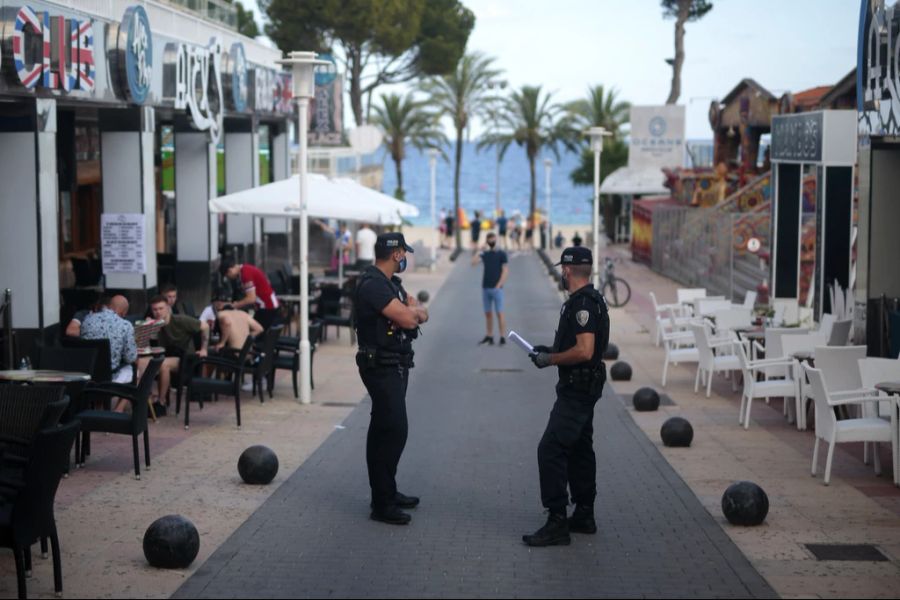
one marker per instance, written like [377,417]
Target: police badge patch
[582,317]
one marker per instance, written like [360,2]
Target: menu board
[122,236]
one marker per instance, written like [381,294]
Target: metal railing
[707,247]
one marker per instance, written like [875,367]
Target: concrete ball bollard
[645,399]
[677,432]
[620,371]
[745,503]
[258,465]
[171,542]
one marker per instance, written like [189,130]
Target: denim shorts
[493,296]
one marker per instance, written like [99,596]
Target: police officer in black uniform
[387,320]
[566,451]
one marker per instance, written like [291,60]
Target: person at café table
[177,337]
[107,322]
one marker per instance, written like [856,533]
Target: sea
[571,204]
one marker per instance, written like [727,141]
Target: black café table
[43,376]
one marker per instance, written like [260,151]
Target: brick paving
[474,426]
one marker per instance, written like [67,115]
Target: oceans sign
[657,136]
[878,69]
[797,138]
[67,51]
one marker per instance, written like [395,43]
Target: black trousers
[267,316]
[387,429]
[566,452]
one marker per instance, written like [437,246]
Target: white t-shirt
[208,314]
[366,239]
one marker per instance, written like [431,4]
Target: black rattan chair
[133,424]
[227,380]
[264,362]
[287,356]
[26,507]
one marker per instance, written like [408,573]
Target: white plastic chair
[689,294]
[873,371]
[840,333]
[709,362]
[773,348]
[791,344]
[731,319]
[679,345]
[773,388]
[661,315]
[826,324]
[832,431]
[787,311]
[706,307]
[749,301]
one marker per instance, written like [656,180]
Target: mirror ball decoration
[645,399]
[745,503]
[258,465]
[677,432]
[621,371]
[171,542]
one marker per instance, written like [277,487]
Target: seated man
[108,323]
[73,329]
[177,337]
[236,326]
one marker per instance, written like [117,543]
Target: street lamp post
[597,134]
[432,162]
[548,164]
[304,87]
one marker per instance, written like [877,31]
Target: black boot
[554,533]
[582,520]
[391,514]
[402,501]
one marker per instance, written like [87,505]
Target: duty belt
[588,380]
[369,358]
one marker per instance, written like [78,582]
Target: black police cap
[393,241]
[576,255]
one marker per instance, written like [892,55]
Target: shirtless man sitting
[235,327]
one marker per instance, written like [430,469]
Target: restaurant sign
[797,138]
[877,75]
[52,51]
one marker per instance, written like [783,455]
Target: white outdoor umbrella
[340,199]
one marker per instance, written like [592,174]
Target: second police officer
[566,458]
[387,321]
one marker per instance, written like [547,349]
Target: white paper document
[521,342]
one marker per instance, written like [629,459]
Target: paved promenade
[476,415]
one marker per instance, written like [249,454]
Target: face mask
[402,265]
[491,244]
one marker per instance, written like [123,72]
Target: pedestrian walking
[566,460]
[502,223]
[387,322]
[496,269]
[476,229]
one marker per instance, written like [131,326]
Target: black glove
[547,349]
[540,359]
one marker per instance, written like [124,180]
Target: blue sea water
[570,203]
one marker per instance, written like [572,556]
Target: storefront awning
[341,199]
[634,180]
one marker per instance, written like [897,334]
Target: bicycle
[615,289]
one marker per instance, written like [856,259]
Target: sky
[567,45]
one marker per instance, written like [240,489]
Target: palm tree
[600,108]
[531,121]
[462,95]
[404,120]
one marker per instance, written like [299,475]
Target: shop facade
[878,109]
[115,131]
